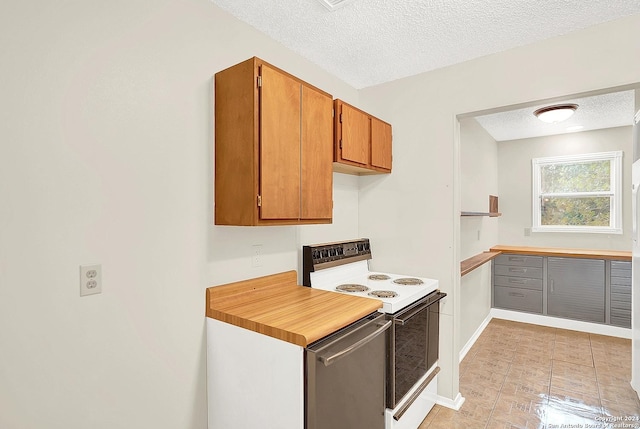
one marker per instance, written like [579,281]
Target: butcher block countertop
[618,255]
[277,306]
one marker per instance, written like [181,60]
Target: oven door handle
[418,309]
[405,319]
[328,360]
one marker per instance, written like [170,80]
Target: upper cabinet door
[355,135]
[362,142]
[317,155]
[380,144]
[280,110]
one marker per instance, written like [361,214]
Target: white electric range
[410,302]
[396,291]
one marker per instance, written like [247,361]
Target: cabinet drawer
[615,272]
[518,282]
[625,289]
[621,265]
[617,312]
[622,281]
[624,322]
[516,271]
[518,299]
[621,301]
[519,260]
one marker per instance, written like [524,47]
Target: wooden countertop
[475,261]
[277,306]
[618,255]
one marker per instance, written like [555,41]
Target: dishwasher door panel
[348,392]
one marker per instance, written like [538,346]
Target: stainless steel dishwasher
[345,377]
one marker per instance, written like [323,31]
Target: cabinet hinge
[340,143]
[333,113]
[259,81]
[259,201]
[340,117]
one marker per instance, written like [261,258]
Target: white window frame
[616,193]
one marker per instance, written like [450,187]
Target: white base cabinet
[253,380]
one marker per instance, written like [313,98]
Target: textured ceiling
[368,42]
[602,111]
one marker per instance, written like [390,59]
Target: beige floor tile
[477,394]
[580,354]
[622,410]
[525,386]
[531,373]
[522,410]
[572,337]
[449,419]
[621,393]
[532,360]
[491,363]
[584,405]
[525,376]
[514,422]
[430,417]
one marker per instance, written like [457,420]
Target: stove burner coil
[408,281]
[352,288]
[383,294]
[379,277]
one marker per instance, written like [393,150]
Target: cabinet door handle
[517,270]
[518,281]
[518,294]
[552,286]
[516,259]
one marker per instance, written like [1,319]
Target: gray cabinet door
[576,289]
[620,301]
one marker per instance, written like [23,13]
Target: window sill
[578,229]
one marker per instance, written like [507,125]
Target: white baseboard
[474,337]
[557,322]
[454,404]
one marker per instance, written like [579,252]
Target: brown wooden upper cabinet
[273,148]
[362,142]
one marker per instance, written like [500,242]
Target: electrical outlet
[256,255]
[90,279]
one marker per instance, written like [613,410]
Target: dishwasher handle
[328,360]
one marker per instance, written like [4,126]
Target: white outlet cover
[90,279]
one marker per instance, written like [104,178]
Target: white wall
[106,157]
[478,180]
[417,207]
[515,176]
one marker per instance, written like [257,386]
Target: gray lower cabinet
[576,289]
[620,298]
[517,283]
[591,290]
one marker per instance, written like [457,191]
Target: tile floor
[519,375]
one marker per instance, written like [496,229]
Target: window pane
[588,211]
[577,177]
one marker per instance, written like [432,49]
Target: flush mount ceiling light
[557,113]
[335,4]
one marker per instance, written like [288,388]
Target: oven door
[414,345]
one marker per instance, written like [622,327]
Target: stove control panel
[320,256]
[337,251]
